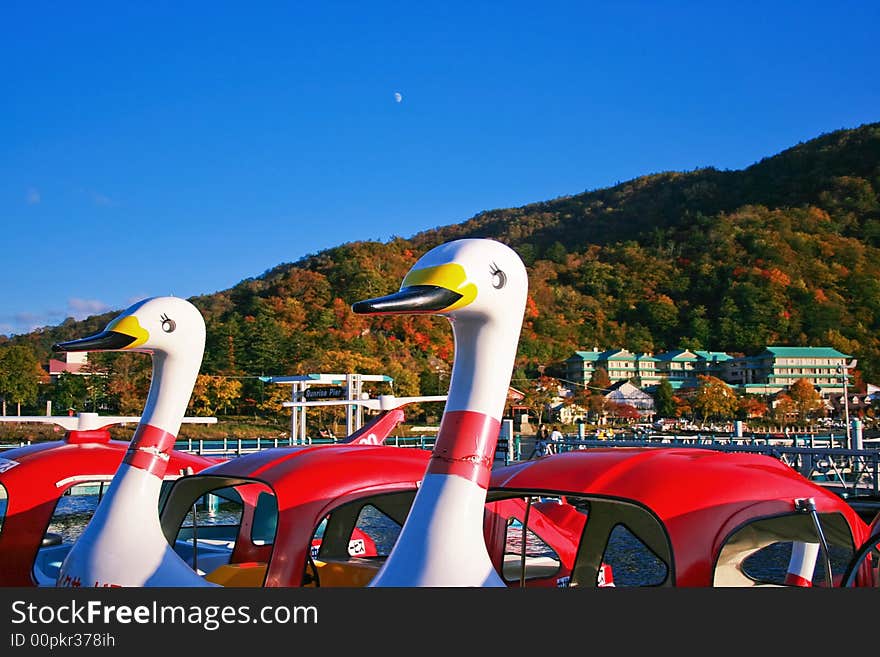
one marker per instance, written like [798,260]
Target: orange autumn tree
[214,394]
[714,398]
[805,398]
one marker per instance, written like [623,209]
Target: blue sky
[181,147]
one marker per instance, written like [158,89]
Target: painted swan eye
[168,324]
[499,278]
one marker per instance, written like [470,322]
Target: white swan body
[123,544]
[480,285]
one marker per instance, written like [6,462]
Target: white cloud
[21,323]
[26,322]
[33,196]
[82,308]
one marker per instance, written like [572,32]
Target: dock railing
[823,460]
[232,447]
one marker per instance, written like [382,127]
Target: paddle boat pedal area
[37,480]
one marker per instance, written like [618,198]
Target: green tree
[69,391]
[556,252]
[664,399]
[20,375]
[126,380]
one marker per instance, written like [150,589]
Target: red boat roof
[328,471]
[56,460]
[670,481]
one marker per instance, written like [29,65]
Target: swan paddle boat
[480,286]
[42,513]
[690,517]
[123,544]
[39,485]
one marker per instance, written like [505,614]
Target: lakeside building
[769,372]
[72,362]
[620,365]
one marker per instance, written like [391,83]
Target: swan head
[156,324]
[467,278]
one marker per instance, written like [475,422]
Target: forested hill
[784,252]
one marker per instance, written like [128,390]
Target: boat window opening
[375,532]
[785,551]
[208,533]
[265,520]
[527,559]
[623,540]
[73,510]
[208,520]
[632,562]
[364,528]
[351,543]
[217,507]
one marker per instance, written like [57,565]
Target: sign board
[324,392]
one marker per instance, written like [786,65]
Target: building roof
[609,354]
[717,356]
[678,354]
[626,393]
[73,362]
[628,389]
[586,355]
[804,352]
[618,354]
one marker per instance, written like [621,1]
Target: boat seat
[245,574]
[352,572]
[536,567]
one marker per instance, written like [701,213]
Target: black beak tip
[362,307]
[414,299]
[104,341]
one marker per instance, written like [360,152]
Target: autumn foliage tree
[539,395]
[714,398]
[805,398]
[214,394]
[784,409]
[751,407]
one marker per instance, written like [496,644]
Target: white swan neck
[173,379]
